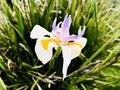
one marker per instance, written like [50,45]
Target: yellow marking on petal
[45,42]
[75,43]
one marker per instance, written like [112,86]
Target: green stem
[51,63]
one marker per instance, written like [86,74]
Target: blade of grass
[2,85]
[102,48]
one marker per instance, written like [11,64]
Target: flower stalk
[51,63]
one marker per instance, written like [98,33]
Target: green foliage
[2,85]
[97,68]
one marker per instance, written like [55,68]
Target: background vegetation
[97,68]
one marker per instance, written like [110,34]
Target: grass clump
[96,68]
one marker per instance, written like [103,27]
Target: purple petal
[71,38]
[66,25]
[55,27]
[54,24]
[81,33]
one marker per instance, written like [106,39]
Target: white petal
[66,61]
[82,41]
[70,52]
[38,32]
[44,55]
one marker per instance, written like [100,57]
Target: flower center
[60,40]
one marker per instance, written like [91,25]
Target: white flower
[71,45]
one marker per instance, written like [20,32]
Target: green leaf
[73,7]
[116,35]
[47,13]
[72,87]
[2,85]
[19,17]
[2,64]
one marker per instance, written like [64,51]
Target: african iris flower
[71,45]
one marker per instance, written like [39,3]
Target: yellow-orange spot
[45,42]
[75,43]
